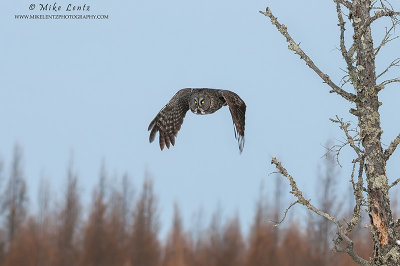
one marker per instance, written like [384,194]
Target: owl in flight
[200,101]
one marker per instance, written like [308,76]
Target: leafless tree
[145,247]
[15,198]
[96,249]
[43,202]
[118,220]
[125,197]
[369,164]
[68,221]
[319,229]
[225,244]
[176,247]
[263,243]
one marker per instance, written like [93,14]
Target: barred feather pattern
[169,120]
[237,107]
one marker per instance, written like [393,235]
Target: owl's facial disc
[194,104]
[199,104]
[202,101]
[199,110]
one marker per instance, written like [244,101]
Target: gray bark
[371,157]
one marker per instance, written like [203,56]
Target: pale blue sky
[93,86]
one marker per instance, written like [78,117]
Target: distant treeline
[122,230]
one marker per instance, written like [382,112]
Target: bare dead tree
[318,228]
[68,220]
[369,164]
[176,247]
[263,241]
[127,194]
[119,210]
[43,203]
[15,199]
[225,242]
[144,246]
[96,249]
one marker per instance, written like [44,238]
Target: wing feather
[170,118]
[237,107]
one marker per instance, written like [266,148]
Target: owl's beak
[200,112]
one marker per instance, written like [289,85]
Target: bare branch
[358,190]
[344,2]
[383,5]
[296,48]
[342,237]
[299,195]
[349,249]
[345,79]
[336,149]
[349,61]
[352,50]
[392,147]
[386,82]
[387,38]
[395,183]
[352,175]
[277,223]
[395,63]
[350,140]
[382,13]
[381,86]
[385,10]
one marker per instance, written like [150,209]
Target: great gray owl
[200,101]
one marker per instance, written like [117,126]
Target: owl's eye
[202,102]
[195,102]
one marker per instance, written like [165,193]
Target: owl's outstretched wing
[238,109]
[169,120]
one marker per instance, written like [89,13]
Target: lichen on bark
[371,157]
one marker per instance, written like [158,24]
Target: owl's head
[199,103]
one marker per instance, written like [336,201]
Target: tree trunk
[371,158]
[383,226]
